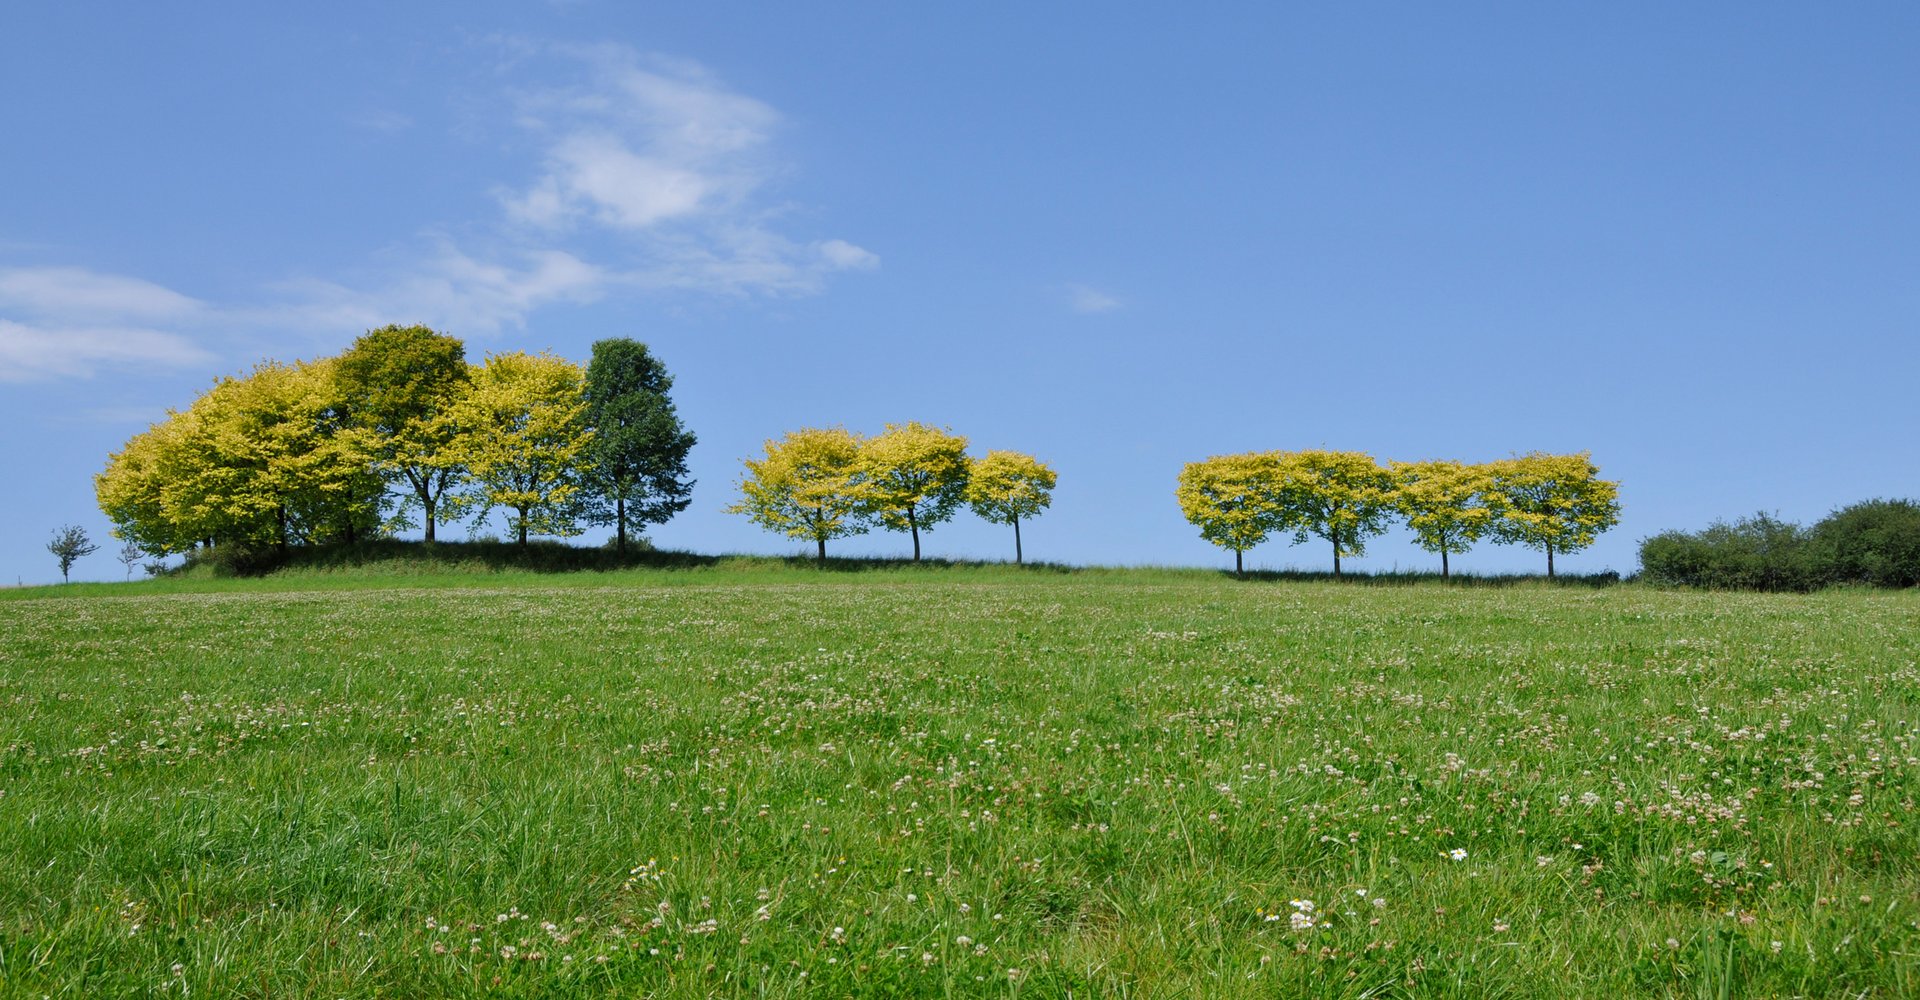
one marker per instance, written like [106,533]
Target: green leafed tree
[68,545]
[809,484]
[1557,503]
[638,456]
[1232,499]
[1344,497]
[1444,504]
[1007,487]
[523,441]
[914,477]
[401,384]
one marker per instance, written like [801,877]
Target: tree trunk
[1443,562]
[620,518]
[1336,556]
[823,550]
[280,517]
[913,524]
[1238,567]
[1549,560]
[523,526]
[1016,541]
[426,502]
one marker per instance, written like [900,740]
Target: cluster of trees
[1875,542]
[825,483]
[401,431]
[1557,503]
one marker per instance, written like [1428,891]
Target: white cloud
[75,294]
[1082,299]
[650,177]
[32,353]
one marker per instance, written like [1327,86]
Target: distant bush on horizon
[1874,542]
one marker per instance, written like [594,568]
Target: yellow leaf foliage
[1007,486]
[523,439]
[809,484]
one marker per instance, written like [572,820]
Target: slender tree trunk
[280,517]
[523,526]
[823,550]
[1549,560]
[1016,541]
[1336,556]
[426,503]
[1443,562]
[1239,568]
[913,524]
[620,518]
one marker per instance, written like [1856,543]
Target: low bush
[1874,542]
[1760,552]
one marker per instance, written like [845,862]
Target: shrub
[1874,542]
[1760,552]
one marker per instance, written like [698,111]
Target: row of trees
[401,427]
[1557,503]
[825,483]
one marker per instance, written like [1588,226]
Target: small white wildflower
[1458,854]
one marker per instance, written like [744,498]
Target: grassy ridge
[751,779]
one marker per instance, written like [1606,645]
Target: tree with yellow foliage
[255,461]
[1444,503]
[1557,503]
[1341,496]
[1232,499]
[810,484]
[523,439]
[914,477]
[400,385]
[1006,486]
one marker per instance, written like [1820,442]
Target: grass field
[755,779]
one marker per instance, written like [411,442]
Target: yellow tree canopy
[809,484]
[255,460]
[1007,486]
[523,439]
[1232,499]
[1341,496]
[1557,503]
[913,477]
[1444,503]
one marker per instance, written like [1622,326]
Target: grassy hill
[751,777]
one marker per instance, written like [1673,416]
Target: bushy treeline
[822,483]
[1876,542]
[1555,503]
[401,431]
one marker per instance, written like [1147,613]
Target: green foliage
[68,545]
[1875,542]
[637,460]
[1754,553]
[913,477]
[401,384]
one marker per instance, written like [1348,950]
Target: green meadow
[760,779]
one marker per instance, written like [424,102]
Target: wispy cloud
[33,353]
[1082,299]
[67,322]
[648,176]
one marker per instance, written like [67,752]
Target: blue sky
[1684,237]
